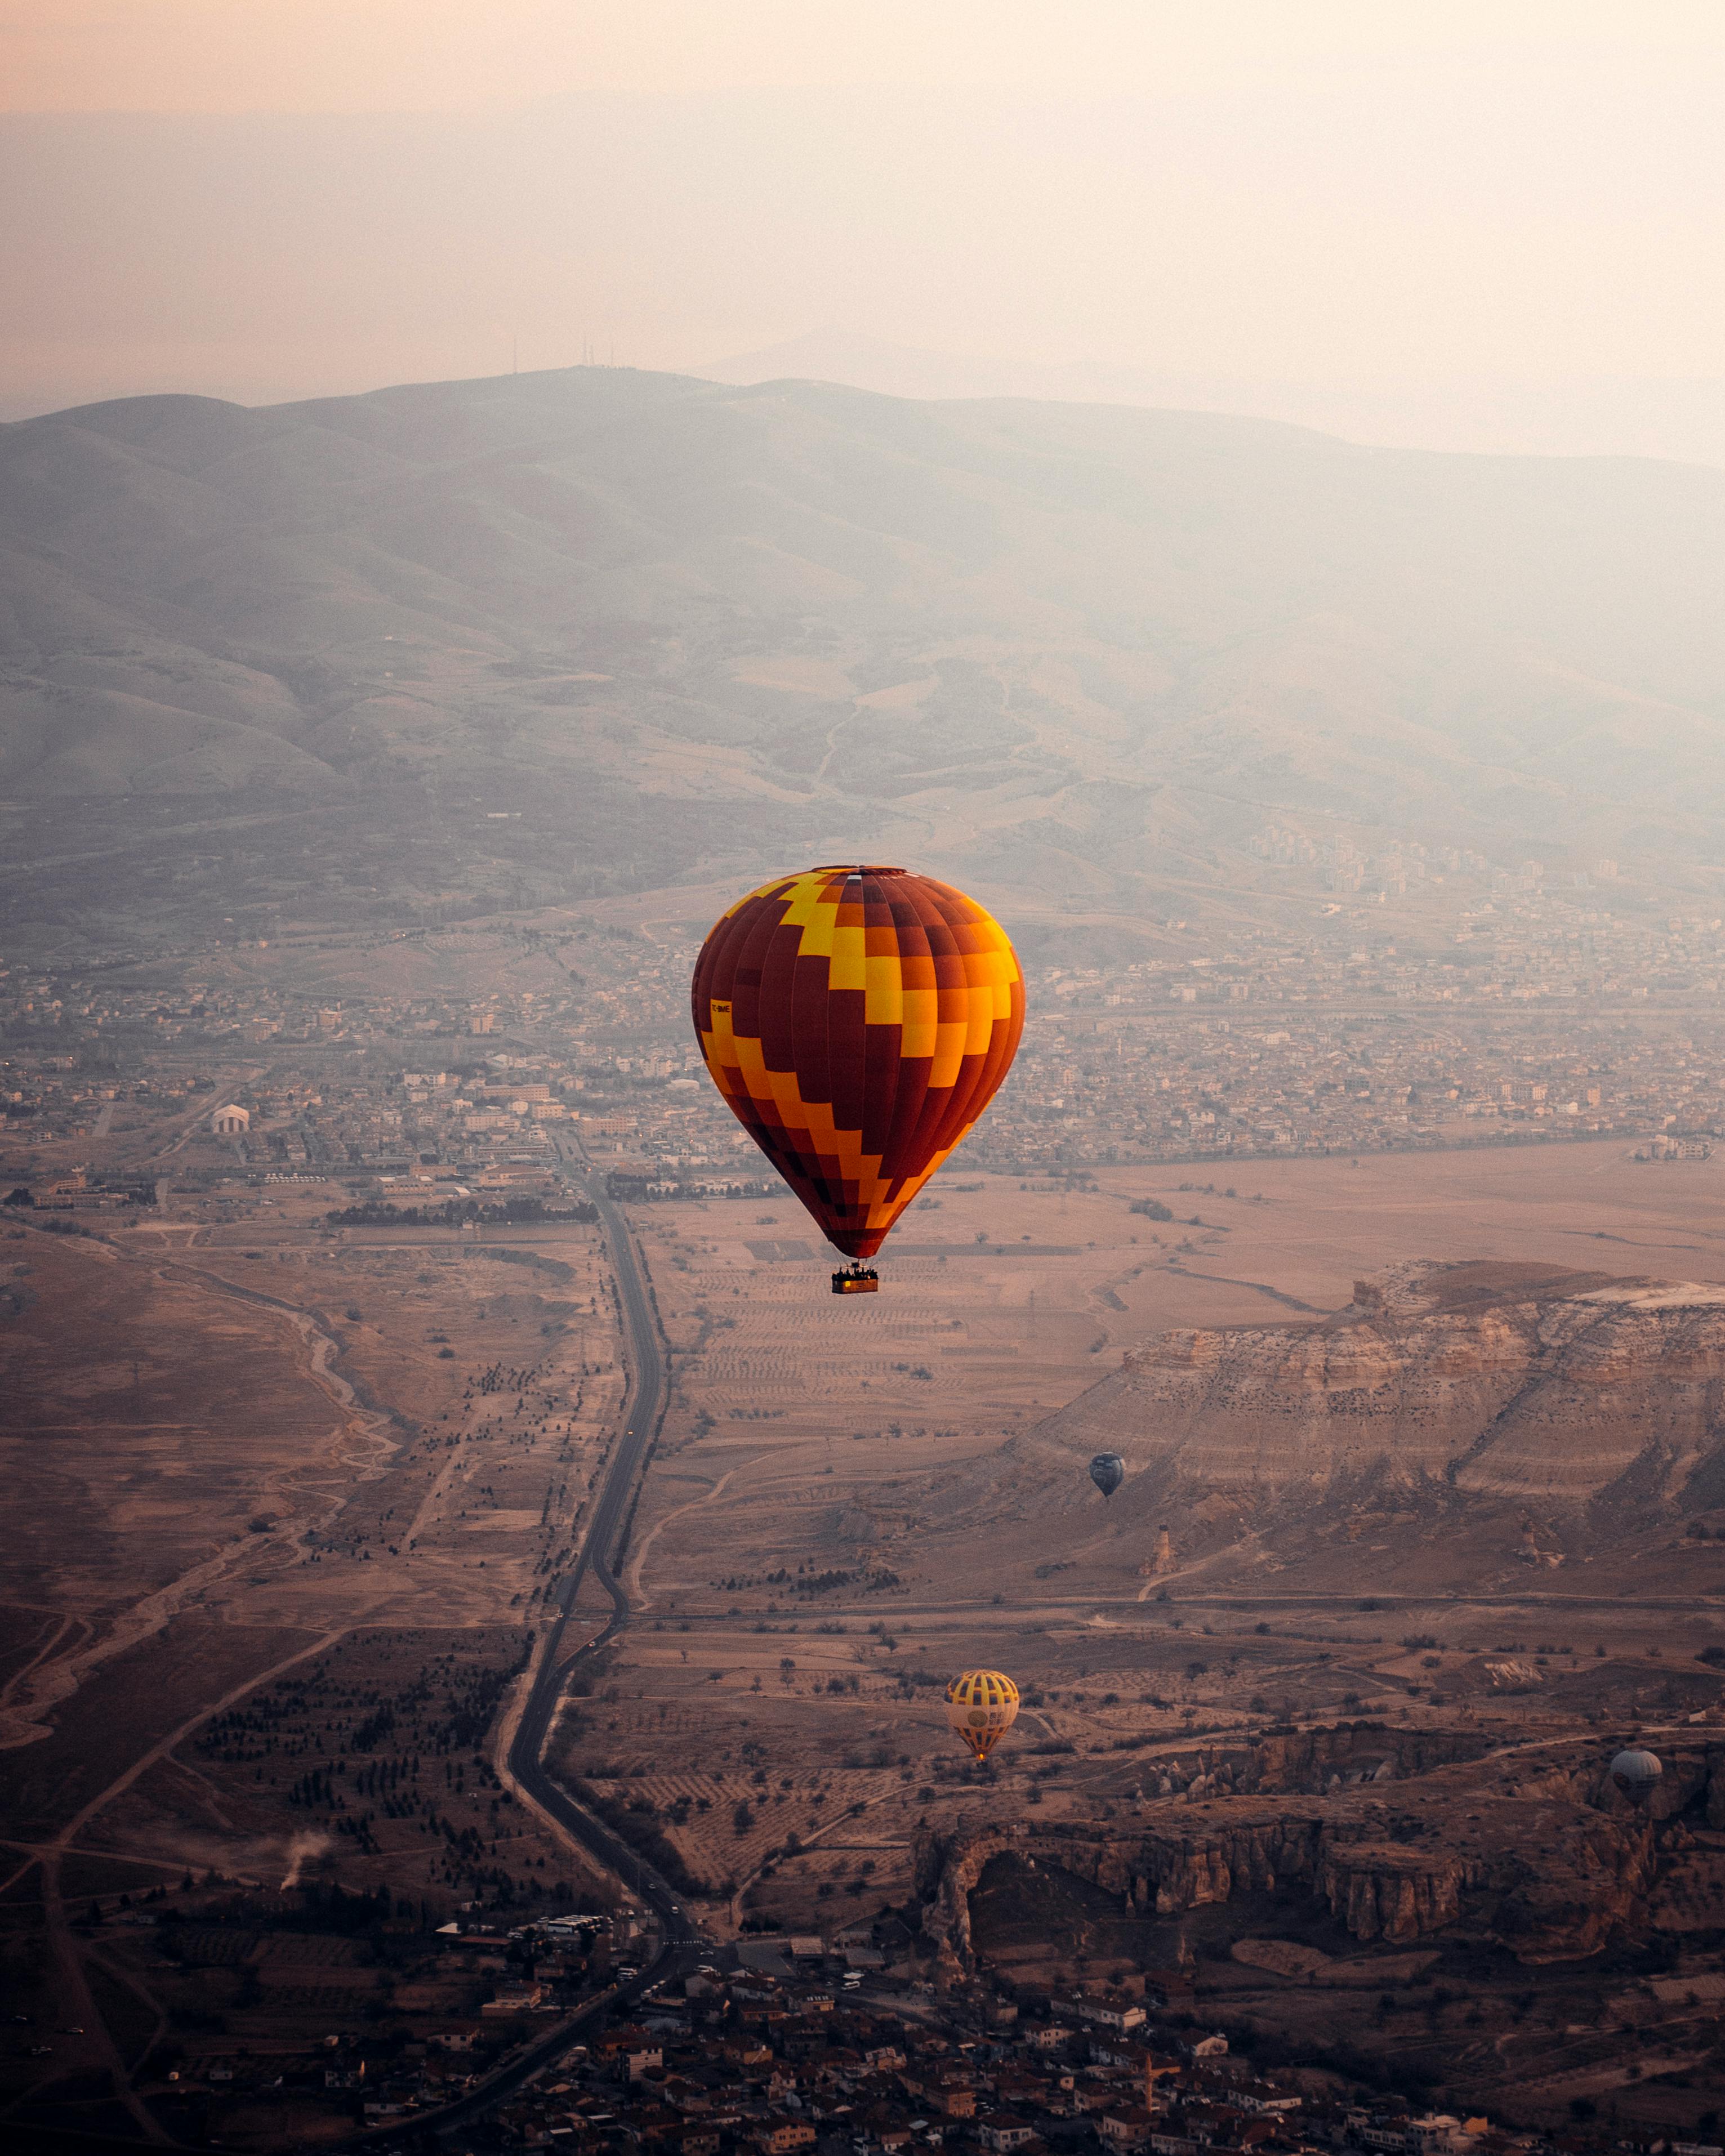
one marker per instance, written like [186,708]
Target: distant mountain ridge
[1682,421]
[674,627]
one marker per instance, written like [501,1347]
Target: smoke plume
[302,1850]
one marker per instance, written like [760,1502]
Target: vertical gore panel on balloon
[716,972]
[810,998]
[745,976]
[898,1160]
[881,1088]
[963,1104]
[778,970]
[922,1142]
[847,1045]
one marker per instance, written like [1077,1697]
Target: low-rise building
[1000,2131]
[514,1998]
[783,2137]
[1124,2126]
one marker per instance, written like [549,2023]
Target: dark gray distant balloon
[1108,1471]
[1637,1772]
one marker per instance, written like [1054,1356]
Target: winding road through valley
[681,1948]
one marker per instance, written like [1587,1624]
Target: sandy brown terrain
[805,1586]
[286,1499]
[812,1555]
[824,1419]
[251,1486]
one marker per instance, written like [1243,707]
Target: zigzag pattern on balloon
[858,1021]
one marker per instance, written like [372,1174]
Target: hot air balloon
[858,1021]
[1108,1471]
[982,1706]
[1637,1772]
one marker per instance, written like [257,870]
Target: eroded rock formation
[1495,1381]
[1546,1862]
[1557,1902]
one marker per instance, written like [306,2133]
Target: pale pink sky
[267,198]
[447,55]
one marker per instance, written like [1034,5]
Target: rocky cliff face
[1310,1762]
[1539,1854]
[1558,1900]
[1482,1381]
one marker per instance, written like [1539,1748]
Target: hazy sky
[267,198]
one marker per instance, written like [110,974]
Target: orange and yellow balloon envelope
[858,1021]
[982,1706]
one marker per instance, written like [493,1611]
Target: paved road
[682,1948]
[646,1405]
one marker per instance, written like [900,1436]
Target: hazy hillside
[1612,416]
[673,626]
